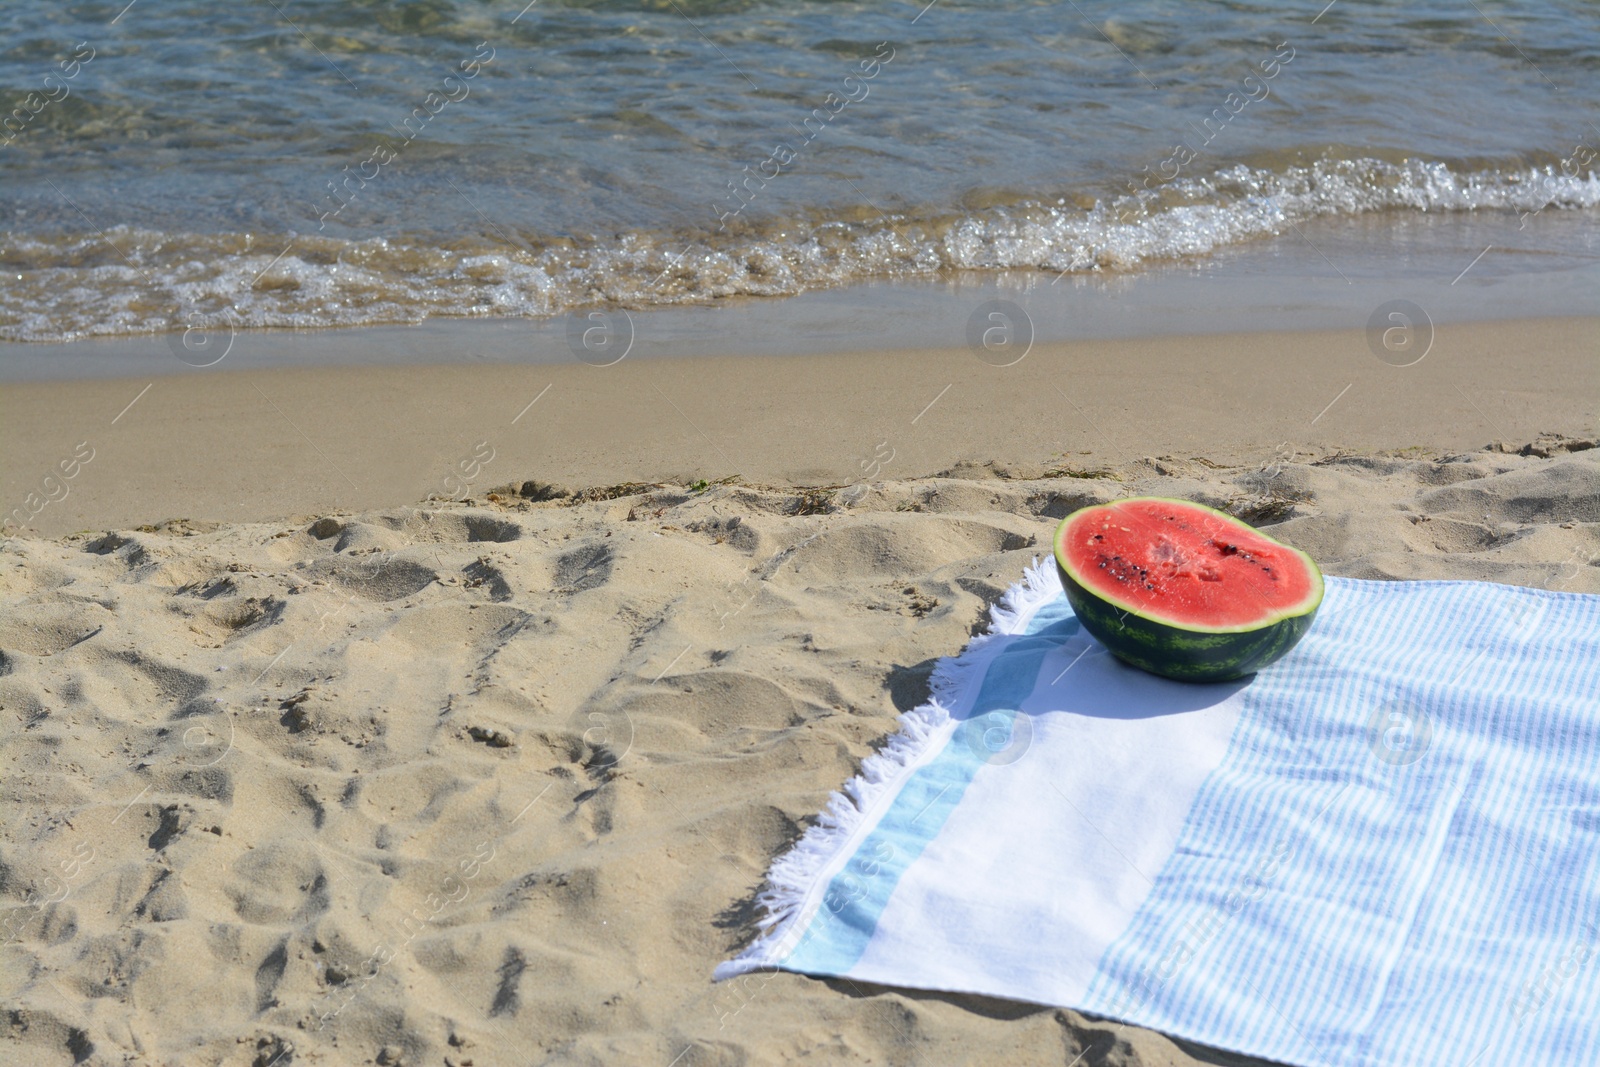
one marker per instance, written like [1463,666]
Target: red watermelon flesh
[1185,591]
[1186,564]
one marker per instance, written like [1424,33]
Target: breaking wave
[128,281]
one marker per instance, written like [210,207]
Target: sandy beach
[305,767]
[221,445]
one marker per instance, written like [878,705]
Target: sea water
[317,163]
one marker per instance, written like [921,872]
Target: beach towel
[1384,849]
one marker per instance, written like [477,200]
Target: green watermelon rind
[1193,654]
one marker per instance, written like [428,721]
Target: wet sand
[224,445]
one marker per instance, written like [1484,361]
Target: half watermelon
[1183,590]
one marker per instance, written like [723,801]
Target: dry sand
[496,782]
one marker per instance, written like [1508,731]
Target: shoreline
[259,445]
[1272,286]
[1206,265]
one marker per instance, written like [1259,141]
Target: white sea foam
[126,281]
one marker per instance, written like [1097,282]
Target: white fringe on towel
[795,882]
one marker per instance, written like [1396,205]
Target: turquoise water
[319,163]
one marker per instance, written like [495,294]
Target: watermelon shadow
[1063,669]
[1101,686]
[909,686]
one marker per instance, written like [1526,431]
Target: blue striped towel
[1382,850]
